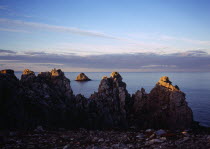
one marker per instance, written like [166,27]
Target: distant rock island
[48,100]
[82,77]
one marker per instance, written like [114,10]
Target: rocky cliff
[42,100]
[11,112]
[48,100]
[164,107]
[108,105]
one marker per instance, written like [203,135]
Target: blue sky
[85,29]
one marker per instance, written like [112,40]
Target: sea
[196,86]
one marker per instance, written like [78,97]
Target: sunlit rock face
[27,76]
[7,71]
[164,107]
[164,81]
[108,105]
[82,77]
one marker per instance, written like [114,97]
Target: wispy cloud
[161,37]
[192,53]
[13,30]
[184,39]
[3,7]
[55,28]
[159,66]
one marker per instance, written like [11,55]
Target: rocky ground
[114,139]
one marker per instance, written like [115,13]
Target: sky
[105,35]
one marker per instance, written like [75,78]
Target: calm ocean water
[196,86]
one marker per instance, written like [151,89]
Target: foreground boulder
[164,107]
[82,77]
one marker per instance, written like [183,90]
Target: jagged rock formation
[164,107]
[28,76]
[48,100]
[11,112]
[82,77]
[164,81]
[47,97]
[108,105]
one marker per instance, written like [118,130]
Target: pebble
[160,132]
[39,129]
[140,136]
[149,130]
[67,147]
[150,142]
[101,140]
[152,136]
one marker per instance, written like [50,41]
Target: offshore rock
[164,107]
[82,77]
[108,106]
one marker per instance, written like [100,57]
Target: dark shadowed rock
[11,103]
[164,107]
[82,77]
[47,100]
[108,105]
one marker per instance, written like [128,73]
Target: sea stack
[82,77]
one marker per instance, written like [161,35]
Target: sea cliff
[48,100]
[43,112]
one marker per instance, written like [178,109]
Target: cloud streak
[119,62]
[13,30]
[7,51]
[55,28]
[3,7]
[191,41]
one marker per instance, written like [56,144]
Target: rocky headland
[47,102]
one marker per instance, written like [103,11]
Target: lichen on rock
[164,81]
[27,75]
